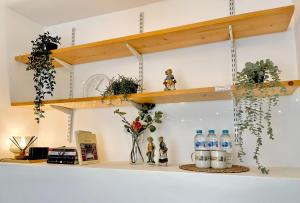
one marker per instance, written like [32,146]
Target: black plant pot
[51,46]
[258,78]
[136,87]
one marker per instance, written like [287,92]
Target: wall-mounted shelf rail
[162,97]
[243,25]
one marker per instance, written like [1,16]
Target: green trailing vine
[40,63]
[257,94]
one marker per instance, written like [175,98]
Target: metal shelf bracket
[63,109]
[236,119]
[134,52]
[230,30]
[67,66]
[70,113]
[138,55]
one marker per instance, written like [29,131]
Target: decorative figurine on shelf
[163,152]
[169,80]
[151,150]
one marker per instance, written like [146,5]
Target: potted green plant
[256,94]
[40,62]
[121,86]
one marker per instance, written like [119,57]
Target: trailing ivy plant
[258,87]
[121,86]
[40,62]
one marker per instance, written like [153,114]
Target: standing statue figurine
[163,153]
[151,149]
[169,80]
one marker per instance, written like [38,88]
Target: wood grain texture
[162,97]
[244,25]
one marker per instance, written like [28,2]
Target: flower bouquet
[144,121]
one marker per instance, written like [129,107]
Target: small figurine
[151,150]
[163,153]
[169,80]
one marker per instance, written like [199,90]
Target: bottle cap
[225,132]
[211,132]
[199,131]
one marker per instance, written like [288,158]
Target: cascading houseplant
[40,62]
[257,93]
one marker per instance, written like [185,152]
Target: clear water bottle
[212,140]
[226,145]
[200,140]
[225,141]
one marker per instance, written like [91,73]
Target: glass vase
[136,153]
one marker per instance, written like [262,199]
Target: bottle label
[213,144]
[200,144]
[226,145]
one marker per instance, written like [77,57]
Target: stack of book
[62,155]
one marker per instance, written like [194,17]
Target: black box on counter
[62,155]
[37,153]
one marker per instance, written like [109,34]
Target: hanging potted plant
[40,62]
[146,120]
[257,94]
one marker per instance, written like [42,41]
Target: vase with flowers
[146,120]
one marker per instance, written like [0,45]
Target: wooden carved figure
[163,152]
[169,80]
[150,152]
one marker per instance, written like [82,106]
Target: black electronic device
[36,153]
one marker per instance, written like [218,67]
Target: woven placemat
[234,169]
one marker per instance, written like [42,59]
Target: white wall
[16,31]
[207,65]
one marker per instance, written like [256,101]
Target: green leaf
[152,128]
[148,119]
[158,121]
[119,112]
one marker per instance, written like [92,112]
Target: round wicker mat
[234,169]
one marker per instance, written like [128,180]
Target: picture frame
[87,147]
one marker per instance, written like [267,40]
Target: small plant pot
[136,87]
[259,79]
[51,46]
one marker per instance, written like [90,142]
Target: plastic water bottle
[212,140]
[200,141]
[225,141]
[226,145]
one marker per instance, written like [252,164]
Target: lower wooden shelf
[161,97]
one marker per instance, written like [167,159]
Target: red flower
[136,126]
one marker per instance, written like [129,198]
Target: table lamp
[21,145]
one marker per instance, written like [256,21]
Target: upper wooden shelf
[244,25]
[162,97]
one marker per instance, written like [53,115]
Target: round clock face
[95,85]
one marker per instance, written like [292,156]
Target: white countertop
[275,172]
[117,182]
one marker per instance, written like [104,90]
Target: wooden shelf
[244,25]
[162,97]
